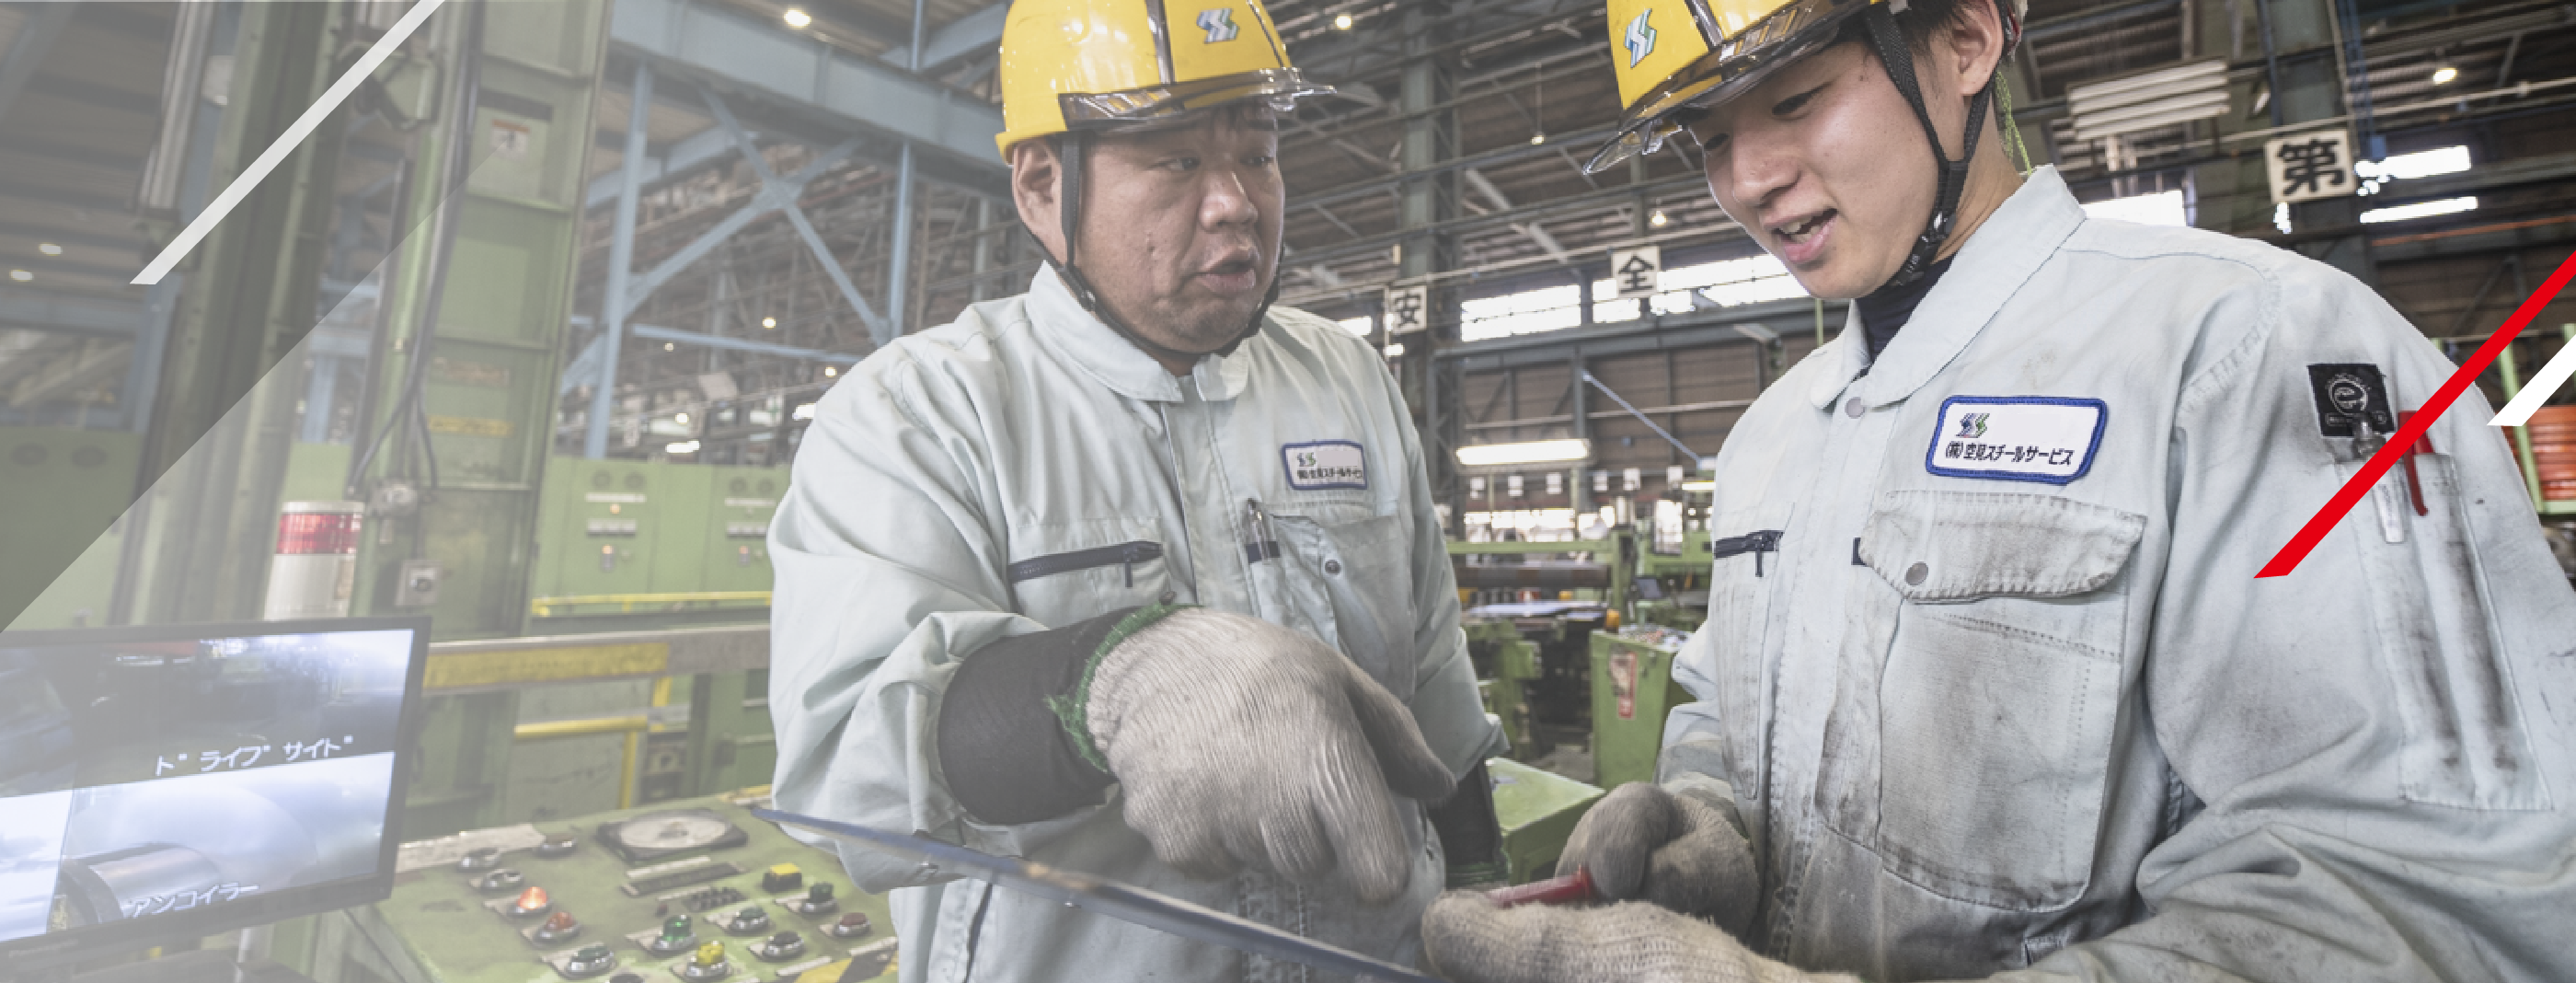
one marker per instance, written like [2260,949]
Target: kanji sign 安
[2309,166]
[1408,309]
[1636,272]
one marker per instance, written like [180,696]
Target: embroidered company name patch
[1325,464]
[2017,438]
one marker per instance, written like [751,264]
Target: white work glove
[1239,742]
[1676,849]
[1470,940]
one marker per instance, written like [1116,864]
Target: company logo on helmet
[1641,39]
[1219,24]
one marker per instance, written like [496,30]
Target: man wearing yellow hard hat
[2008,699]
[1133,574]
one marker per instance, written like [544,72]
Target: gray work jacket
[1991,681]
[1026,468]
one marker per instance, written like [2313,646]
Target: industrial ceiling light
[667,346]
[770,323]
[2426,209]
[1537,138]
[1341,22]
[49,249]
[683,447]
[830,371]
[2444,75]
[1529,452]
[2420,164]
[1658,219]
[682,417]
[2148,100]
[21,276]
[798,18]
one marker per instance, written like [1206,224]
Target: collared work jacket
[1992,684]
[1025,468]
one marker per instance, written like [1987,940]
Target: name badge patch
[2017,438]
[1325,464]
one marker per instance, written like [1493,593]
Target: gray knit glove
[1676,849]
[1239,742]
[1470,940]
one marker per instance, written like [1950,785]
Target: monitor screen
[159,782]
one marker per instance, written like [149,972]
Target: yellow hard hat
[1675,55]
[1095,64]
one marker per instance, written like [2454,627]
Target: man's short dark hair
[1921,17]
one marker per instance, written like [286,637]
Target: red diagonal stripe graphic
[2413,430]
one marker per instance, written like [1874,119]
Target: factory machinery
[693,891]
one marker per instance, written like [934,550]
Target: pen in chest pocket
[1258,543]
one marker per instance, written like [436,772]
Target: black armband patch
[1003,750]
[2350,392]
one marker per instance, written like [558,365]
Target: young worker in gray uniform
[1989,688]
[1132,574]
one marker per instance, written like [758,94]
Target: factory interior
[503,356]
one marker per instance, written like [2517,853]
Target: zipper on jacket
[1756,543]
[1125,554]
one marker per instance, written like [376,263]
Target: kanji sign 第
[2310,166]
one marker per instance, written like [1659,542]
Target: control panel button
[532,902]
[709,963]
[558,928]
[677,936]
[783,877]
[849,926]
[780,947]
[817,900]
[749,921]
[586,962]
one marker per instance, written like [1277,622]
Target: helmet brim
[1734,68]
[1156,104]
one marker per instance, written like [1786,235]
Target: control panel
[694,891]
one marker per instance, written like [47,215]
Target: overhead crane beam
[841,90]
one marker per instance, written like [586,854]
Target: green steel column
[1430,139]
[484,301]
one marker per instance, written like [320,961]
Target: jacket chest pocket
[1066,572]
[1744,566]
[1348,579]
[1996,705]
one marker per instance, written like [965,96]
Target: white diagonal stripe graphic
[2537,391]
[286,143]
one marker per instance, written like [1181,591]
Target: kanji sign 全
[1637,271]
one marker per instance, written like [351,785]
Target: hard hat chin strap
[1898,57]
[1073,152]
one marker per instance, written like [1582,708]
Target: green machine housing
[643,544]
[1632,692]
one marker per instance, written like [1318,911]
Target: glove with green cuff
[1236,742]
